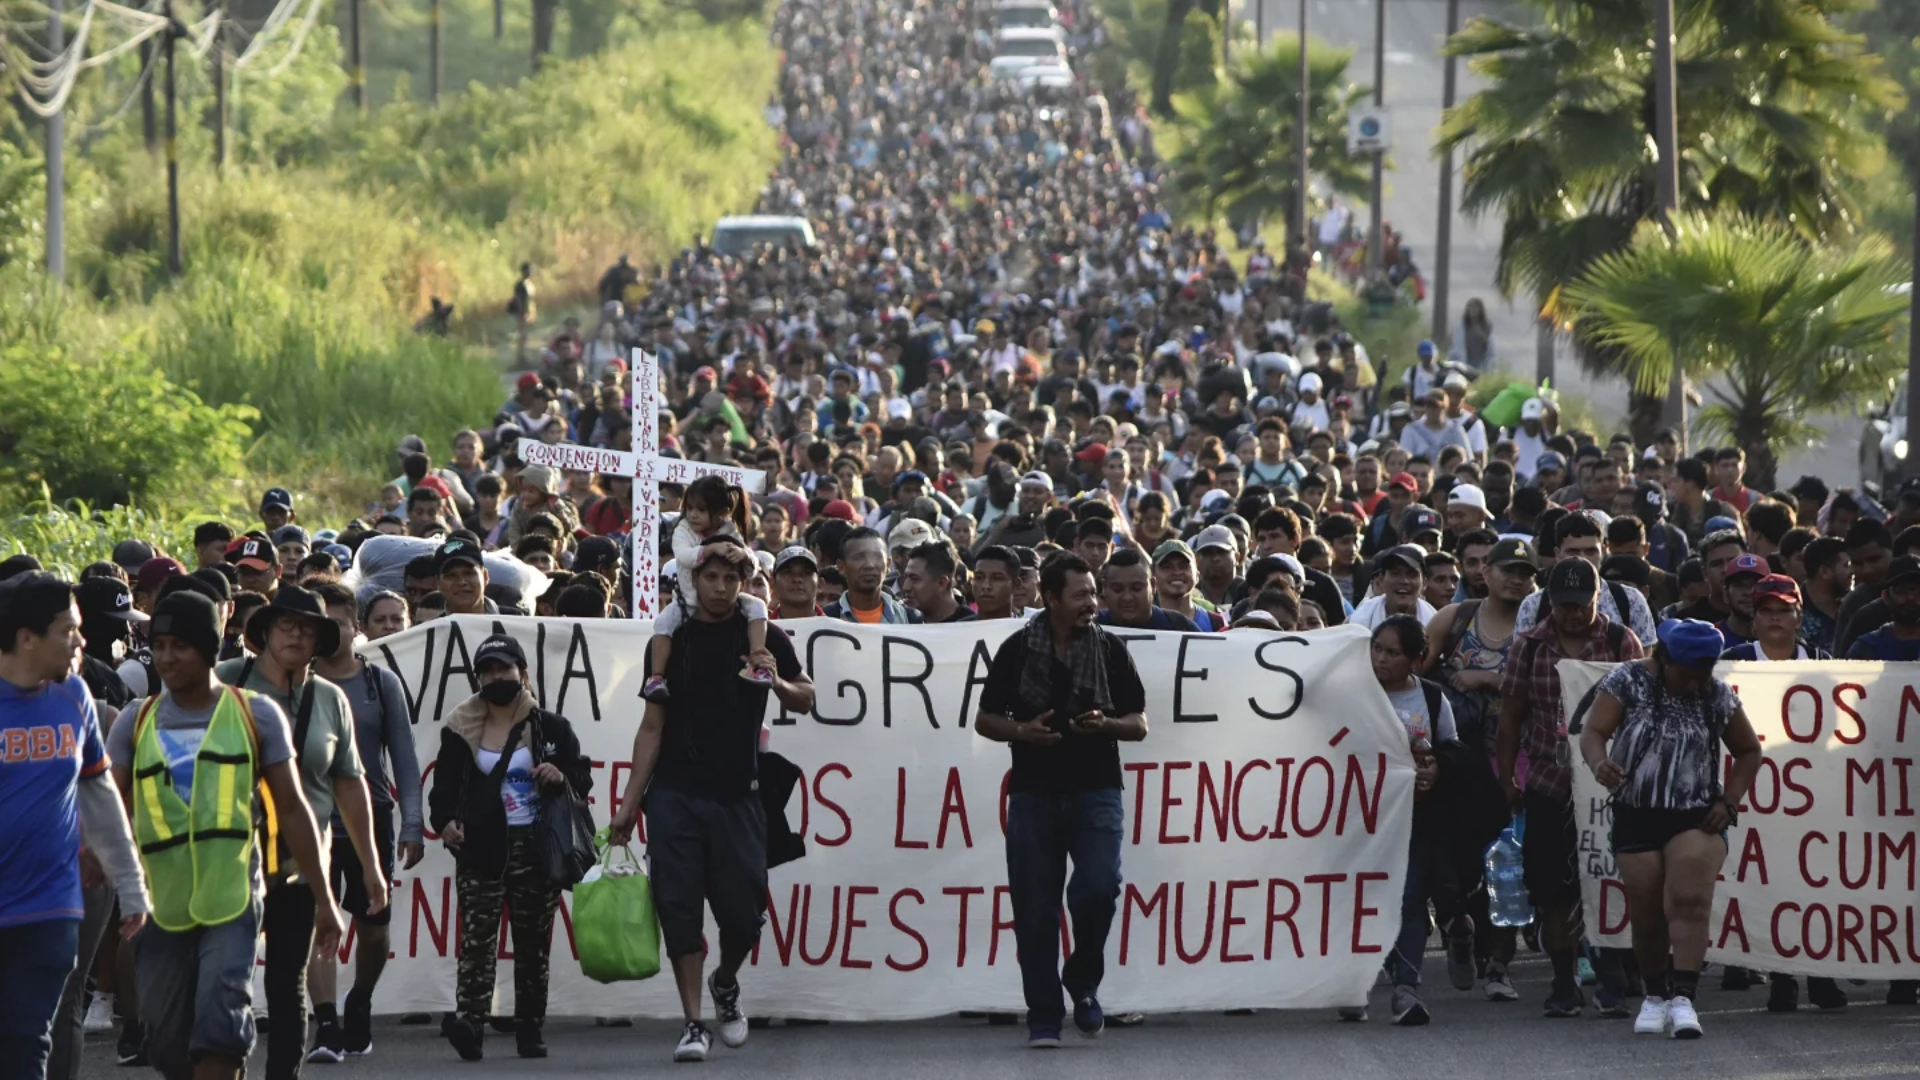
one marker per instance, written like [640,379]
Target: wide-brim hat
[293,600]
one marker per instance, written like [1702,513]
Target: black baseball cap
[1419,519]
[279,497]
[1514,551]
[1574,581]
[499,648]
[131,555]
[109,597]
[1627,569]
[456,551]
[1649,502]
[1411,556]
[1902,568]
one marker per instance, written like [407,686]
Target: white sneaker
[694,1044]
[1682,1021]
[99,1015]
[726,1005]
[1500,988]
[1653,1017]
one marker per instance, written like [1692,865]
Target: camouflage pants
[529,899]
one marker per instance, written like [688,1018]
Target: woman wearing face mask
[498,753]
[1666,717]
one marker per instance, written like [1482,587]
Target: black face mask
[500,692]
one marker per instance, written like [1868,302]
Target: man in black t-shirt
[697,764]
[1063,692]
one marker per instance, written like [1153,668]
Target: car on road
[1026,15]
[1015,51]
[740,235]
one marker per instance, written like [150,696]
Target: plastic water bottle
[1507,900]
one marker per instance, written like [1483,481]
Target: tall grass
[65,541]
[308,262]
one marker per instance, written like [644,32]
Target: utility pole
[1666,139]
[1543,343]
[220,88]
[499,19]
[1226,32]
[1260,22]
[174,263]
[433,52]
[149,112]
[1376,245]
[1300,122]
[356,54]
[1443,234]
[56,160]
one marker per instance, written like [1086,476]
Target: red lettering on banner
[1217,800]
[893,916]
[1240,782]
[1779,944]
[1825,932]
[1613,906]
[1851,922]
[1866,861]
[782,942]
[1848,711]
[1180,924]
[854,892]
[1228,921]
[1897,849]
[1903,786]
[1279,830]
[1752,854]
[1908,700]
[820,796]
[1369,808]
[1806,872]
[1786,713]
[1731,924]
[1360,908]
[1275,917]
[345,951]
[1882,931]
[1148,905]
[1326,808]
[423,909]
[964,894]
[1326,883]
[833,926]
[1787,781]
[1139,769]
[993,944]
[900,816]
[1168,802]
[1874,773]
[954,805]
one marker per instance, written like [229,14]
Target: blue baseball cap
[1722,523]
[1425,348]
[1691,642]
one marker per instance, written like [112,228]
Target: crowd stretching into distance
[1004,384]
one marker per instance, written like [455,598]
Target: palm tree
[1774,329]
[1233,149]
[1773,101]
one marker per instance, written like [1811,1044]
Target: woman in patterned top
[1666,717]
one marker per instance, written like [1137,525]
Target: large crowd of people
[1005,384]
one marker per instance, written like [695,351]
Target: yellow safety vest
[198,851]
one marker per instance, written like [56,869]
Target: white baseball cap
[1216,536]
[1468,495]
[1534,409]
[1310,383]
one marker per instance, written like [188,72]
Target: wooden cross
[648,469]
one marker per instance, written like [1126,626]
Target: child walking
[711,507]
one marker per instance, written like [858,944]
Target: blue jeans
[1043,832]
[1410,948]
[34,961]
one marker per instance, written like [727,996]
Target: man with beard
[1025,527]
[863,561]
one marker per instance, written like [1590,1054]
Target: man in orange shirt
[863,562]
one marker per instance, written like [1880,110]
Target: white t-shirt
[1372,611]
[516,787]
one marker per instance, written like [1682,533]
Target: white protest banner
[1821,871]
[1268,818]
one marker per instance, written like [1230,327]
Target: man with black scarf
[1064,693]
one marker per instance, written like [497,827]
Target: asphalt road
[1414,75]
[1469,1037]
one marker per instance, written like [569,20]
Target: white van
[740,235]
[1026,15]
[1014,51]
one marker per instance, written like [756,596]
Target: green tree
[1786,329]
[1154,45]
[1235,140]
[1774,112]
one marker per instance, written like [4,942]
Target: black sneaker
[695,1042]
[329,1045]
[356,1024]
[1736,978]
[1565,1002]
[467,1035]
[1903,992]
[1826,994]
[529,1040]
[1783,994]
[131,1050]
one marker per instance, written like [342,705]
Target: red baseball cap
[1777,587]
[528,380]
[1404,480]
[1091,453]
[155,571]
[840,508]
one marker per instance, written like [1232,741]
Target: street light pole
[174,262]
[1443,233]
[1376,246]
[433,52]
[1300,137]
[1666,140]
[56,160]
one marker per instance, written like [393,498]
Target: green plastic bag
[615,926]
[1504,409]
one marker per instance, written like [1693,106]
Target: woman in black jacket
[498,753]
